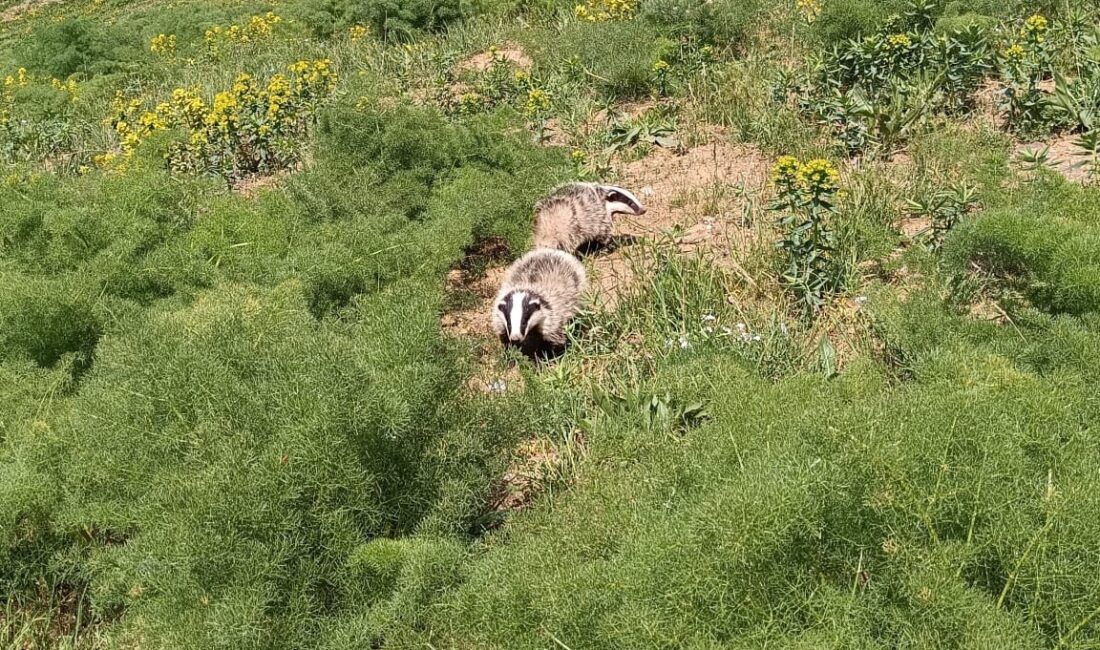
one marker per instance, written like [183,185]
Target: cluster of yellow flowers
[163,44]
[815,177]
[358,32]
[819,176]
[538,102]
[18,80]
[1034,29]
[899,42]
[68,86]
[1014,52]
[660,67]
[252,127]
[603,10]
[258,29]
[810,9]
[1032,36]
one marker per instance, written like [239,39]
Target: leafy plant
[806,202]
[1088,149]
[1036,159]
[1024,64]
[647,128]
[943,209]
[655,412]
[876,89]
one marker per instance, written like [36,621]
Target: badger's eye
[535,306]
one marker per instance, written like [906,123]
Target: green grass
[232,419]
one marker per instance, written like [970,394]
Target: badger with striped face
[578,213]
[540,295]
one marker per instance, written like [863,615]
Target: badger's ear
[620,200]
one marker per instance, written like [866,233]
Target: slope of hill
[835,389]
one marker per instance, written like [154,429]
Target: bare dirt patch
[478,291]
[536,464]
[1062,155]
[24,8]
[913,227]
[987,309]
[704,201]
[251,186]
[511,52]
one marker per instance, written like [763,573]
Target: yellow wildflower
[604,10]
[899,42]
[785,171]
[810,9]
[818,176]
[1014,53]
[163,44]
[1034,28]
[538,101]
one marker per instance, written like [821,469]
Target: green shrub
[1046,246]
[262,382]
[47,320]
[841,20]
[78,46]
[724,23]
[391,19]
[615,57]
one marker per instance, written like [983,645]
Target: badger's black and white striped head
[621,201]
[521,312]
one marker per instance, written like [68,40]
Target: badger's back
[571,215]
[550,272]
[556,278]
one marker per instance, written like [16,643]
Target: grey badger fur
[540,294]
[577,213]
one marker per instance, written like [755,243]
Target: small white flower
[709,317]
[860,300]
[668,343]
[727,331]
[684,343]
[708,330]
[498,386]
[741,327]
[757,337]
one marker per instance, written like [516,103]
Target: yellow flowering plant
[1024,64]
[255,126]
[604,10]
[163,44]
[809,9]
[28,130]
[258,29]
[805,199]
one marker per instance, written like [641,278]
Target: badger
[577,213]
[540,294]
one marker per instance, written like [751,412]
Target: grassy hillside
[835,389]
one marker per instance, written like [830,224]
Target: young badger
[540,294]
[576,213]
